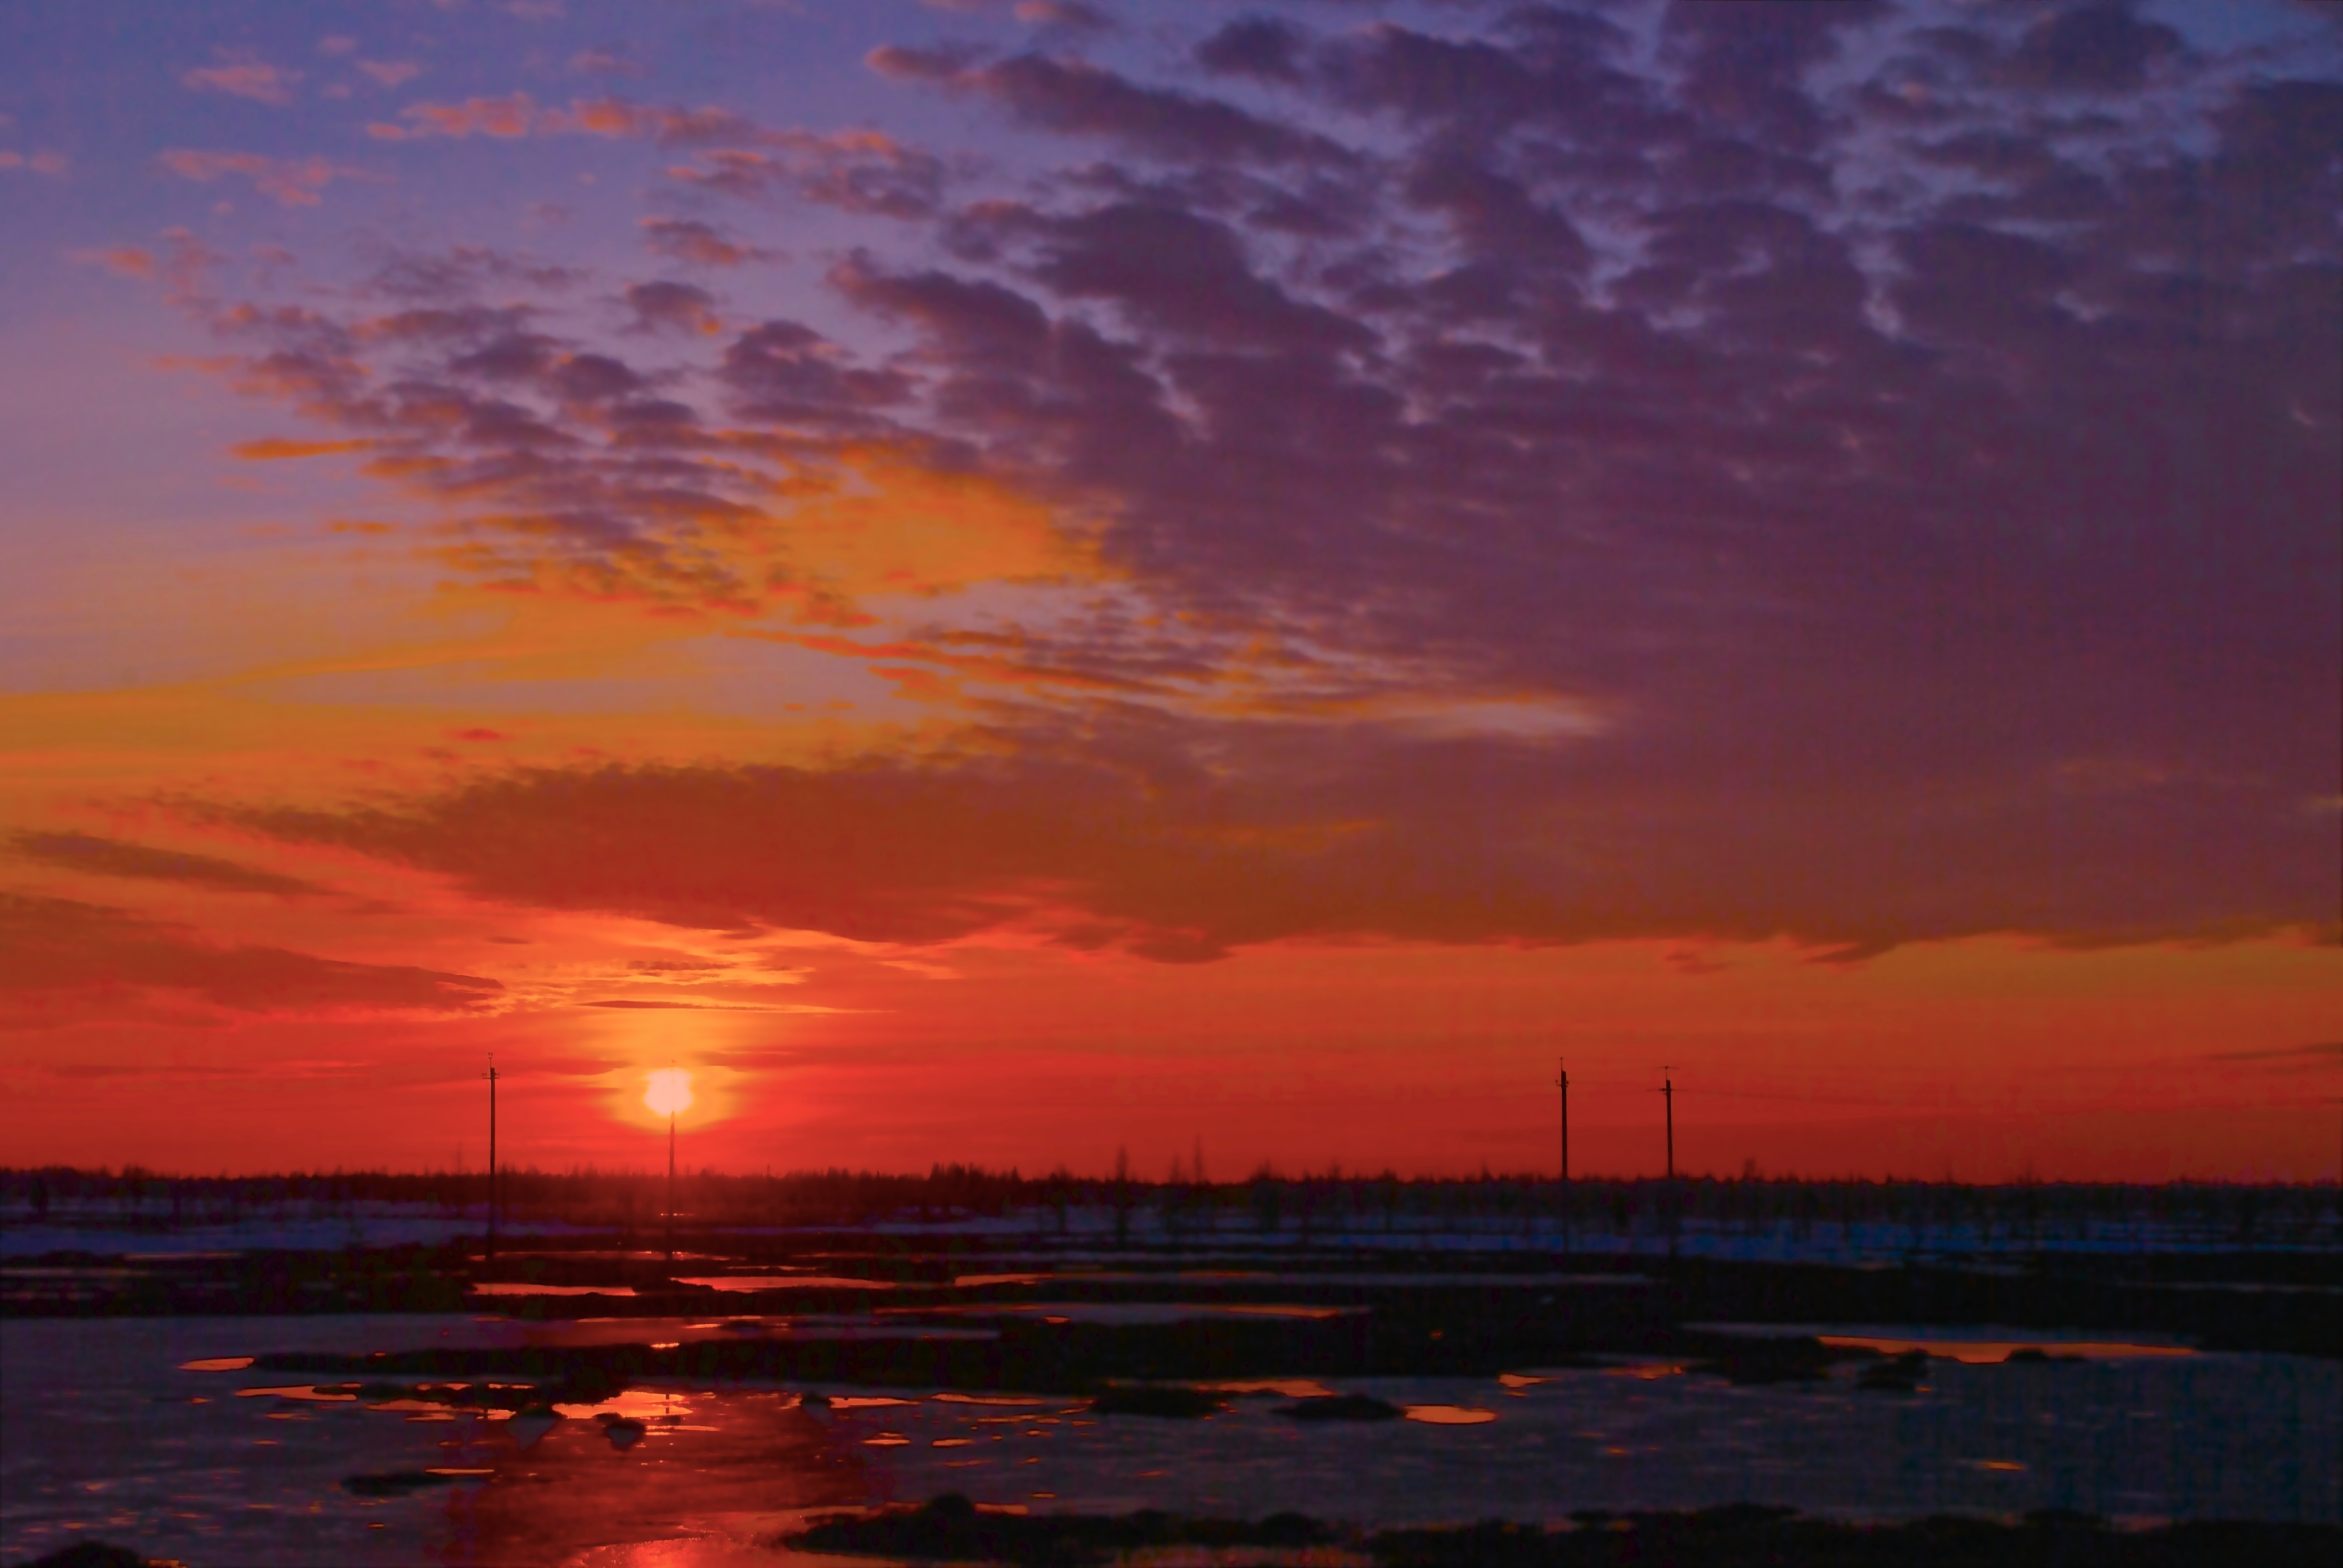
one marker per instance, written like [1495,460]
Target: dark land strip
[1432,1313]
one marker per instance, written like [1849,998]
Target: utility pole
[1668,1193]
[491,1076]
[1668,1096]
[670,1186]
[1561,1082]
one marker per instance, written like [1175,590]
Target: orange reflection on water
[1449,1414]
[1285,1387]
[1984,1352]
[784,1282]
[698,1492]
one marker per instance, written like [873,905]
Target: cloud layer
[61,960]
[1861,471]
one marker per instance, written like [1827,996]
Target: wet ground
[154,1431]
[594,1405]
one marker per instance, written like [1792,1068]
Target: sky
[1010,582]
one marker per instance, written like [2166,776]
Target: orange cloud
[391,73]
[253,79]
[517,114]
[273,449]
[110,857]
[57,954]
[290,181]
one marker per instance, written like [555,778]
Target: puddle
[1283,1387]
[1984,1352]
[1449,1414]
[1132,1313]
[788,1282]
[1966,1342]
[646,1404]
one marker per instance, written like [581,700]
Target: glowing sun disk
[670,1091]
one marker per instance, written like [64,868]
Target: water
[103,1434]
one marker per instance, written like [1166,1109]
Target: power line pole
[1669,1097]
[491,1076]
[1668,1193]
[1562,1081]
[672,1109]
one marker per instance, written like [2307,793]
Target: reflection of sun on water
[670,1091]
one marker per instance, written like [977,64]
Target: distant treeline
[1265,1201]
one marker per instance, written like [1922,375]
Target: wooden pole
[1668,1193]
[1668,1095]
[492,1160]
[1562,1081]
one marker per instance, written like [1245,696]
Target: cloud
[1069,852]
[1068,16]
[856,171]
[2093,49]
[1078,97]
[1185,274]
[44,161]
[1179,841]
[273,449]
[673,307]
[245,78]
[290,181]
[113,858]
[1268,47]
[517,116]
[861,171]
[182,264]
[603,62]
[701,1006]
[52,947]
[701,244]
[391,73]
[1850,495]
[2326,1048]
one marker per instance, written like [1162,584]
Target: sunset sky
[997,580]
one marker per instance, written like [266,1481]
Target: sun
[670,1091]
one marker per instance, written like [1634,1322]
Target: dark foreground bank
[953,1529]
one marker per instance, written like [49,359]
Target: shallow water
[101,1433]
